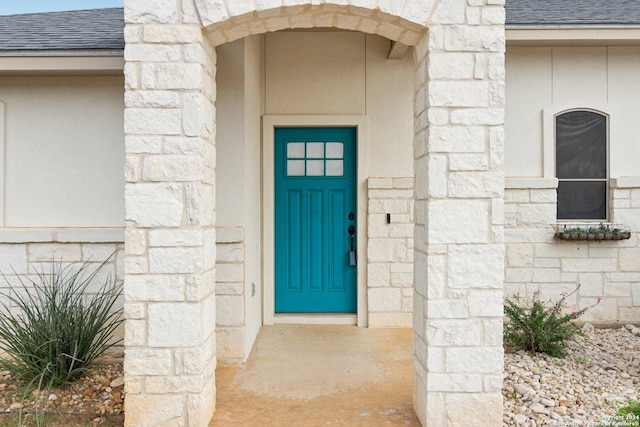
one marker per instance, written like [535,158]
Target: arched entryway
[170,198]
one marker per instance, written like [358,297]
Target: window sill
[529,183]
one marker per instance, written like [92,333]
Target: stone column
[170,217]
[459,249]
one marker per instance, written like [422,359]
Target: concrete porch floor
[319,376]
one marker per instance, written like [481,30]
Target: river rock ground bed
[600,374]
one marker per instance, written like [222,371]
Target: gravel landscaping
[96,396]
[598,376]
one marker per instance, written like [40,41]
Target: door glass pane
[335,168]
[582,200]
[315,150]
[335,150]
[295,150]
[581,145]
[315,167]
[295,167]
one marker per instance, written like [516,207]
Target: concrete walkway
[320,376]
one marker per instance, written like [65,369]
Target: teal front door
[315,215]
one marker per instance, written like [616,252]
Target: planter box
[590,231]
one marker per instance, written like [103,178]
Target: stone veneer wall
[459,224]
[605,269]
[170,195]
[230,295]
[28,258]
[170,238]
[390,252]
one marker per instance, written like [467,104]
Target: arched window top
[581,145]
[550,115]
[565,110]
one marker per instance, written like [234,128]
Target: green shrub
[627,416]
[630,413]
[540,327]
[51,335]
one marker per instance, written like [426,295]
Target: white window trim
[549,138]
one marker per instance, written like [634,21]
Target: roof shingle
[103,29]
[573,12]
[95,29]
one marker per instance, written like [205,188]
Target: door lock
[353,256]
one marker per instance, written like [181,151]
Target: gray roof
[97,29]
[103,29]
[573,12]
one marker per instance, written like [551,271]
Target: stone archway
[170,195]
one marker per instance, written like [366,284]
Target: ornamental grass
[56,324]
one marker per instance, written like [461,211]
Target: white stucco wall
[253,48]
[315,73]
[239,108]
[64,147]
[389,107]
[230,133]
[339,72]
[541,77]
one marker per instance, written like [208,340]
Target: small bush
[540,327]
[50,336]
[630,413]
[627,416]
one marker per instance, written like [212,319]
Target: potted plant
[589,232]
[582,233]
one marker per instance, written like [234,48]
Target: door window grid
[315,159]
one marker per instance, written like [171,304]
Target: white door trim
[269,123]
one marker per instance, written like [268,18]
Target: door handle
[353,257]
